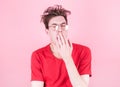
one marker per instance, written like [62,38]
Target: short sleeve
[85,62]
[36,68]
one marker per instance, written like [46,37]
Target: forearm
[37,84]
[74,76]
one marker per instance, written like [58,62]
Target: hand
[64,46]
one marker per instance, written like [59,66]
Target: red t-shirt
[52,71]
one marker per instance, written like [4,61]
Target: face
[57,25]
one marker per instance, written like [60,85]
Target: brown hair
[53,11]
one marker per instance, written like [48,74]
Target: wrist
[67,59]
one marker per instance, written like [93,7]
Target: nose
[59,29]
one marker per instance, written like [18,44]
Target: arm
[75,78]
[65,50]
[37,84]
[36,71]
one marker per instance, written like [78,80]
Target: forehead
[57,20]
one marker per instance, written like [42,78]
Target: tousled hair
[53,11]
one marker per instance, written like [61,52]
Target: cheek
[52,35]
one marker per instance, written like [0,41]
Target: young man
[60,63]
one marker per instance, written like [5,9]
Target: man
[60,63]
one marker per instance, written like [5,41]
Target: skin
[62,48]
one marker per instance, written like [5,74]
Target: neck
[54,51]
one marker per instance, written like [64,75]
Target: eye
[63,25]
[56,27]
[66,27]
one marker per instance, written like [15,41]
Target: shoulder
[40,51]
[80,47]
[83,51]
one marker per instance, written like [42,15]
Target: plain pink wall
[95,23]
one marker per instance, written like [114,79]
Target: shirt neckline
[54,57]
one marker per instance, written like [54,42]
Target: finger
[59,41]
[67,43]
[70,44]
[62,38]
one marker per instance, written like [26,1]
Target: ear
[47,31]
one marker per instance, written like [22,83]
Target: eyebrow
[60,24]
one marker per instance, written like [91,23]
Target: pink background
[95,23]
